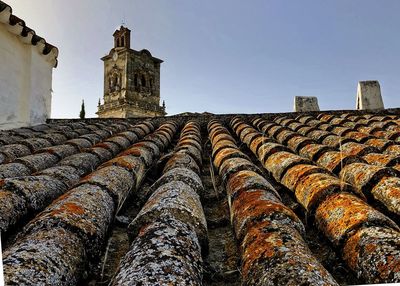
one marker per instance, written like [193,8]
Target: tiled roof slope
[269,199]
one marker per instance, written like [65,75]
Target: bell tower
[122,38]
[131,81]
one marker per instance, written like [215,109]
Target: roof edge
[27,35]
[143,51]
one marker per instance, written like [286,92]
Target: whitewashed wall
[369,95]
[25,82]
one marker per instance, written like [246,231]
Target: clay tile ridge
[18,27]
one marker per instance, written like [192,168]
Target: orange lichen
[358,136]
[334,160]
[314,151]
[250,136]
[285,136]
[276,130]
[248,212]
[304,130]
[69,207]
[126,162]
[279,162]
[135,151]
[379,159]
[387,191]
[381,144]
[249,196]
[340,130]
[360,175]
[221,145]
[258,243]
[312,188]
[342,213]
[257,142]
[241,127]
[222,136]
[298,141]
[227,153]
[325,117]
[353,148]
[370,247]
[295,173]
[393,149]
[266,127]
[246,180]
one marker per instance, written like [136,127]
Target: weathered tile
[38,191]
[12,208]
[39,161]
[86,210]
[117,181]
[165,252]
[83,162]
[176,200]
[12,170]
[46,257]
[340,215]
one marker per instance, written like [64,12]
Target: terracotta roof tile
[321,181]
[261,222]
[338,213]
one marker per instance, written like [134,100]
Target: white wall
[41,82]
[25,82]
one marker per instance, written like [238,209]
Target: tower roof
[121,29]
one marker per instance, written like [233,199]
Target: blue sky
[226,56]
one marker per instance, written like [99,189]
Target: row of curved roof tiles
[170,231]
[339,208]
[372,166]
[269,233]
[23,194]
[68,236]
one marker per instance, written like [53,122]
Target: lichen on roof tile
[284,178]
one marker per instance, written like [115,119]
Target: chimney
[305,103]
[369,95]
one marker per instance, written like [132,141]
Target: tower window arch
[143,80]
[122,42]
[115,81]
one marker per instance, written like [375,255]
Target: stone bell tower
[131,81]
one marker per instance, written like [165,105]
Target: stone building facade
[131,81]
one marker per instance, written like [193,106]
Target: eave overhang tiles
[27,35]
